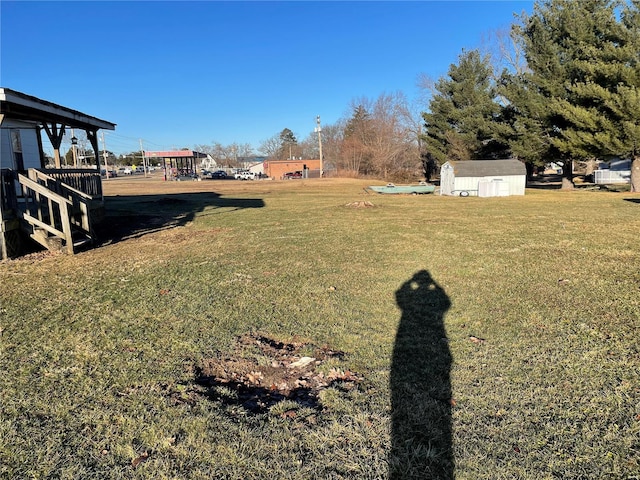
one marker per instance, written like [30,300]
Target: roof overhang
[21,106]
[175,154]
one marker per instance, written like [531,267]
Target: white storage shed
[483,178]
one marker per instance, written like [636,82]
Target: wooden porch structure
[56,208]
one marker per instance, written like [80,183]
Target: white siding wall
[28,140]
[470,184]
[466,184]
[30,150]
[6,153]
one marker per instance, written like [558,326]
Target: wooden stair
[57,221]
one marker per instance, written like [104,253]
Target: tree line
[564,87]
[570,91]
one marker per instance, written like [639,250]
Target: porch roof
[21,106]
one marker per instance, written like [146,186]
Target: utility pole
[144,160]
[319,130]
[104,153]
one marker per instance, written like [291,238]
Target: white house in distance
[483,178]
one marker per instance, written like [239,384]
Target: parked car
[290,175]
[218,174]
[245,176]
[125,171]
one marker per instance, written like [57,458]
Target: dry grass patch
[132,360]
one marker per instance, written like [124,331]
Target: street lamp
[74,143]
[319,130]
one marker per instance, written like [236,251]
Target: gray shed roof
[487,168]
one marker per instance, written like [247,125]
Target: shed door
[447,181]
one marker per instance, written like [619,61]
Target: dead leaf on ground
[476,339]
[140,459]
[254,377]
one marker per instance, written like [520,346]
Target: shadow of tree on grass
[420,384]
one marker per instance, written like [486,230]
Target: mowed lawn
[475,338]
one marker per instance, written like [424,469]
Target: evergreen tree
[580,93]
[287,143]
[461,122]
[521,123]
[626,104]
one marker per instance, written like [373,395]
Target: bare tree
[244,149]
[281,146]
[410,114]
[270,147]
[332,138]
[381,138]
[504,51]
[309,147]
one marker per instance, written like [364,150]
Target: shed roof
[487,168]
[19,105]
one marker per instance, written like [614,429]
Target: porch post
[40,148]
[92,135]
[55,137]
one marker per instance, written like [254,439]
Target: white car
[245,176]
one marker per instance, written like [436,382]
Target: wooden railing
[54,213]
[47,210]
[80,179]
[80,211]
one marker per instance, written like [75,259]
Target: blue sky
[178,74]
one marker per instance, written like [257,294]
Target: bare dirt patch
[263,372]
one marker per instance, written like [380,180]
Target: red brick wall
[277,168]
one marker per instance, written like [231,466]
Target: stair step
[51,243]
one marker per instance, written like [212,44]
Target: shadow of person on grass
[420,384]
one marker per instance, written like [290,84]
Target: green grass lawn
[453,337]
